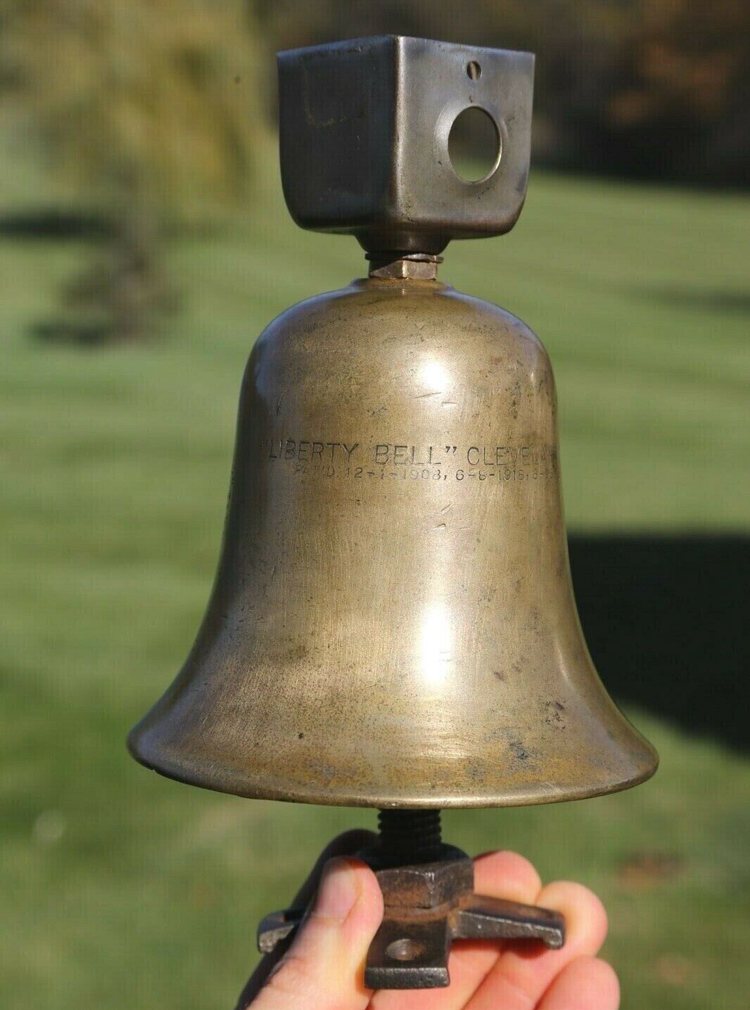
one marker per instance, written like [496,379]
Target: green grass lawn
[124,890]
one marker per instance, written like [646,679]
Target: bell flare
[439,767]
[393,622]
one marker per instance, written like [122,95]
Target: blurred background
[143,246]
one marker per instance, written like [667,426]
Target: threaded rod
[409,836]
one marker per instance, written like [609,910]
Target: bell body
[393,623]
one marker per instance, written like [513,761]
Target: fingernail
[338,890]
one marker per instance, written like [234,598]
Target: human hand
[322,968]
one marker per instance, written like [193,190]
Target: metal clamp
[427,907]
[365,129]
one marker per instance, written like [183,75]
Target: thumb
[324,965]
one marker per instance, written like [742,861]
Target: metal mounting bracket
[427,907]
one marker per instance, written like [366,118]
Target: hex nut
[427,885]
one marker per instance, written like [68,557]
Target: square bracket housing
[365,127]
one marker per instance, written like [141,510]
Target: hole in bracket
[473,70]
[474,145]
[404,950]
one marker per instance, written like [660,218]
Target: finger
[345,844]
[499,875]
[324,965]
[585,984]
[506,875]
[524,971]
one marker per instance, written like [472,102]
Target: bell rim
[325,795]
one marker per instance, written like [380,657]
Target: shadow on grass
[712,300]
[60,224]
[667,621]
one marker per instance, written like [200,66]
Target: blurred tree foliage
[145,109]
[678,94]
[648,88]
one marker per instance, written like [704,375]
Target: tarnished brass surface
[393,622]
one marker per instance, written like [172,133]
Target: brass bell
[393,623]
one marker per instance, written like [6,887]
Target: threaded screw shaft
[409,836]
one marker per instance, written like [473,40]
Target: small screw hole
[473,70]
[404,950]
